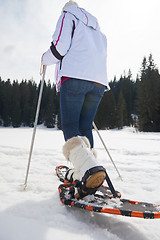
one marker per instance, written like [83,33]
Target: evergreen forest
[130,102]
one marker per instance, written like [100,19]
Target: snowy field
[38,214]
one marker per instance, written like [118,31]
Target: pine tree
[128,88]
[28,101]
[15,105]
[148,100]
[18,102]
[106,114]
[33,100]
[24,103]
[58,115]
[121,112]
[1,100]
[49,117]
[6,103]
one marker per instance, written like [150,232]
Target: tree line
[130,102]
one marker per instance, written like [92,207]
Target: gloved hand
[42,65]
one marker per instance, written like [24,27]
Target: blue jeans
[79,100]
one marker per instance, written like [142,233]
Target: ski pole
[94,125]
[35,127]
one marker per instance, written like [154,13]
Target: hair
[69,3]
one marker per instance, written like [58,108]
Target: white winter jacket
[79,49]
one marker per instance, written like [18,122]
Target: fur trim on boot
[72,143]
[77,151]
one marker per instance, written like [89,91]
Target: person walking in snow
[79,50]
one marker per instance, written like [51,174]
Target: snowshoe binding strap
[69,178]
[110,185]
[91,181]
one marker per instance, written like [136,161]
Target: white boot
[77,150]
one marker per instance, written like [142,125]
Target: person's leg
[71,101]
[87,170]
[89,109]
[79,102]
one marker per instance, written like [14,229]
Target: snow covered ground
[38,214]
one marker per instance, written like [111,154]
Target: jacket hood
[83,16]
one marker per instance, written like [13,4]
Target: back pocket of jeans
[75,86]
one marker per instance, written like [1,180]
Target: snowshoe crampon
[103,201]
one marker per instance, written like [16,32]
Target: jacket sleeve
[61,40]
